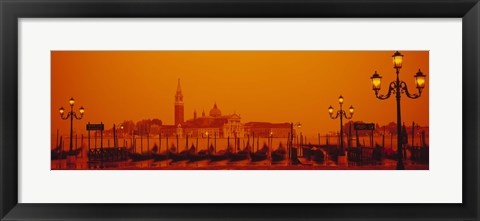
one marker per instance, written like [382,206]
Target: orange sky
[273,86]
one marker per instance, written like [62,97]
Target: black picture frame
[12,10]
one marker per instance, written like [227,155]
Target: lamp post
[341,113]
[270,136]
[71,115]
[123,134]
[115,135]
[270,145]
[208,140]
[414,126]
[298,125]
[398,87]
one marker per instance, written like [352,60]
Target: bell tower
[179,105]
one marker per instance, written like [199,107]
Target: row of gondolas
[189,155]
[192,155]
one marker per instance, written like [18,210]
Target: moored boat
[157,156]
[176,157]
[219,156]
[194,156]
[139,156]
[57,154]
[242,155]
[260,155]
[317,155]
[279,154]
[160,156]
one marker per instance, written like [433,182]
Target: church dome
[215,112]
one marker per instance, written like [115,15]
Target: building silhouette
[266,129]
[179,109]
[215,124]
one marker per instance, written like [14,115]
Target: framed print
[239,110]
[215,140]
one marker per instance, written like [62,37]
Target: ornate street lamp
[342,114]
[398,87]
[71,115]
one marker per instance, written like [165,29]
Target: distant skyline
[271,86]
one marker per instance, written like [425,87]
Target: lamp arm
[404,88]
[336,116]
[391,90]
[66,118]
[347,117]
[78,118]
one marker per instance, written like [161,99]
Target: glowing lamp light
[299,125]
[376,81]
[351,109]
[61,110]
[420,79]
[397,60]
[71,101]
[82,110]
[340,99]
[330,109]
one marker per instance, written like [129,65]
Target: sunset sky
[270,86]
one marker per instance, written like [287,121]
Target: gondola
[57,154]
[219,156]
[176,157]
[279,154]
[193,156]
[240,155]
[139,157]
[260,155]
[317,155]
[377,153]
[160,156]
[201,155]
